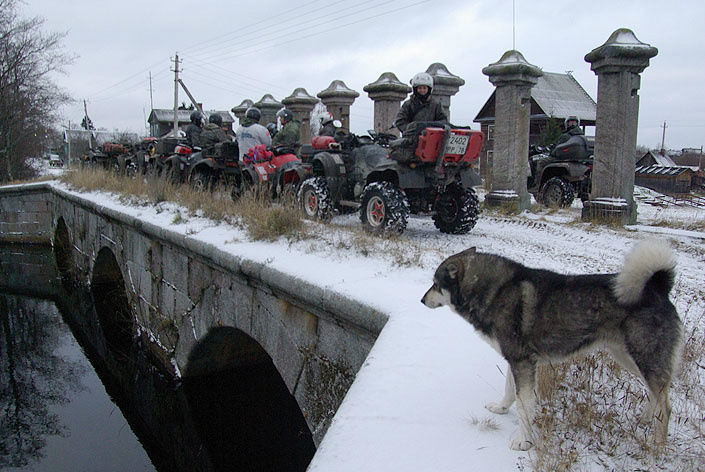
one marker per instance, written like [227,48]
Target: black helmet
[272,128]
[215,118]
[286,114]
[196,118]
[571,118]
[253,113]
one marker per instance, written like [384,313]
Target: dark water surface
[72,400]
[56,414]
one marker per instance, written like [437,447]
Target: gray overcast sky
[243,49]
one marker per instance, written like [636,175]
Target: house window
[490,132]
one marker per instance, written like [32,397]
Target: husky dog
[534,316]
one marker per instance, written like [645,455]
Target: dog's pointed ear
[469,251]
[452,270]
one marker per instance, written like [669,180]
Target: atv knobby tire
[556,193]
[202,180]
[456,210]
[384,208]
[314,198]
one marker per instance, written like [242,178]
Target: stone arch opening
[241,406]
[111,303]
[63,253]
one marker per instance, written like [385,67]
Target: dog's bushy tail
[650,263]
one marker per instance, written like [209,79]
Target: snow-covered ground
[417,404]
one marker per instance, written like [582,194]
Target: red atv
[277,168]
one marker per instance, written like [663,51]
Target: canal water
[65,406]
[56,413]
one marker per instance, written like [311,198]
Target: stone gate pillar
[514,77]
[239,111]
[301,104]
[617,63]
[337,98]
[445,85]
[387,93]
[269,108]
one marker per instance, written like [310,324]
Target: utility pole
[663,138]
[151,97]
[176,94]
[68,138]
[88,126]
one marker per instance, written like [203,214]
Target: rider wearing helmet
[572,128]
[290,133]
[328,127]
[420,106]
[193,130]
[272,128]
[212,132]
[250,133]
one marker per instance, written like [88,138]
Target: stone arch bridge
[195,308]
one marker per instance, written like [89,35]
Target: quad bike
[177,164]
[115,156]
[386,178]
[278,168]
[219,164]
[560,174]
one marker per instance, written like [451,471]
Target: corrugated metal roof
[560,96]
[661,170]
[662,159]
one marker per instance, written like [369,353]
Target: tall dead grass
[588,414]
[254,211]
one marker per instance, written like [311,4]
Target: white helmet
[422,78]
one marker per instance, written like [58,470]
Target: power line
[275,34]
[334,28]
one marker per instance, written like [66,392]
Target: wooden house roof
[554,95]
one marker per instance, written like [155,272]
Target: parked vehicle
[561,173]
[278,168]
[386,178]
[177,164]
[214,165]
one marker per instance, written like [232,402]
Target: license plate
[457,143]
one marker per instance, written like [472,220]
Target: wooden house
[659,172]
[556,96]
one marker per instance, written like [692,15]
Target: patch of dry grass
[254,211]
[588,413]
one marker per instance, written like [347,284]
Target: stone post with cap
[445,85]
[301,104]
[239,111]
[387,93]
[513,77]
[617,64]
[337,98]
[269,107]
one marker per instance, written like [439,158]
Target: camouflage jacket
[211,135]
[289,135]
[415,109]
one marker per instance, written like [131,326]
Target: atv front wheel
[456,210]
[314,198]
[556,192]
[202,180]
[384,208]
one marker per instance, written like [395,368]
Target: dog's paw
[497,408]
[519,443]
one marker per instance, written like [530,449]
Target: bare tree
[29,100]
